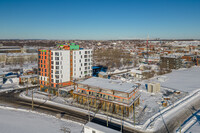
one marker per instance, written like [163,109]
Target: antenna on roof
[147,50]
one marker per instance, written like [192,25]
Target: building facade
[63,65]
[171,62]
[112,96]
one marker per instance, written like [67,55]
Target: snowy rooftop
[183,79]
[100,128]
[28,76]
[109,84]
[103,73]
[171,56]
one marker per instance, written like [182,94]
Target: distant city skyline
[99,19]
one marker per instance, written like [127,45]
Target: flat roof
[28,76]
[109,84]
[101,128]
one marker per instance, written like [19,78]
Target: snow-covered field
[22,121]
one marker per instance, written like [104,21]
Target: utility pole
[122,120]
[32,99]
[88,109]
[107,115]
[134,113]
[147,50]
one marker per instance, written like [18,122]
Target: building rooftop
[172,56]
[29,76]
[110,84]
[101,128]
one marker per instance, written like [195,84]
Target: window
[57,67]
[51,62]
[57,63]
[56,53]
[45,70]
[79,52]
[45,57]
[57,76]
[80,61]
[52,67]
[51,53]
[57,72]
[57,81]
[85,52]
[56,58]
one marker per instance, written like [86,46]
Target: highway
[11,98]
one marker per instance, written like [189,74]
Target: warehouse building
[108,95]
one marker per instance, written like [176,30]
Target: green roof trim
[74,47]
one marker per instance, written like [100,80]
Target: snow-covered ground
[23,121]
[195,128]
[191,125]
[169,114]
[26,65]
[151,103]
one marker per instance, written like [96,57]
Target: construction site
[109,96]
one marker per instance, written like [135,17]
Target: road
[12,99]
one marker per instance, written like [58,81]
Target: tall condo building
[59,67]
